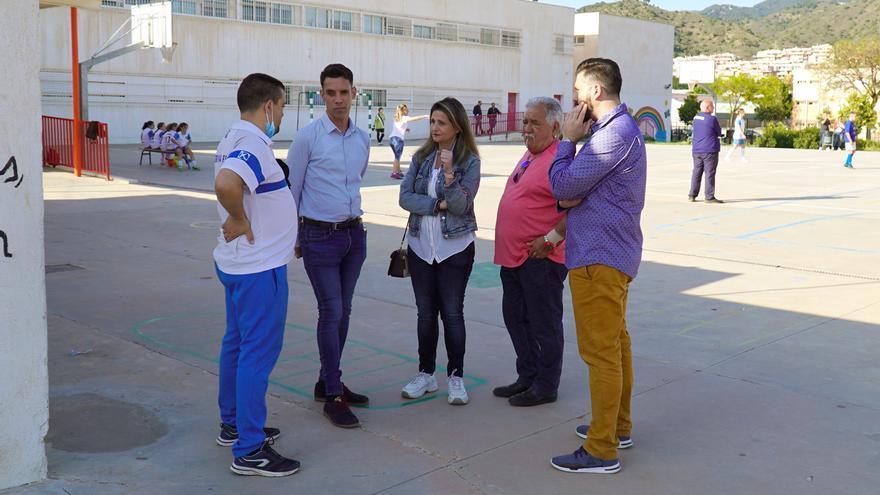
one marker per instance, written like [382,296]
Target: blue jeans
[256,310]
[333,260]
[532,309]
[439,288]
[396,146]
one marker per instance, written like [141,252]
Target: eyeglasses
[520,171]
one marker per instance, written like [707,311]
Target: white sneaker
[457,394]
[420,385]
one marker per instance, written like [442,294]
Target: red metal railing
[58,146]
[494,125]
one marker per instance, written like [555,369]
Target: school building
[414,52]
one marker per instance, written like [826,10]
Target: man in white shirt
[256,241]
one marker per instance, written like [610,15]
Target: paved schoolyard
[755,325]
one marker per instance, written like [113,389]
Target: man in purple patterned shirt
[604,187]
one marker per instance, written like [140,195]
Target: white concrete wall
[214,54]
[24,406]
[644,52]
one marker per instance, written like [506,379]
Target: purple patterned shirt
[609,174]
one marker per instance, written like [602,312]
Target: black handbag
[398,266]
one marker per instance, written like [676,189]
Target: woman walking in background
[739,136]
[438,192]
[398,136]
[379,125]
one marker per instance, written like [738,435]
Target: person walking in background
[478,118]
[438,192]
[706,147]
[398,136]
[328,160]
[739,136]
[825,132]
[254,246]
[379,125]
[529,246]
[604,186]
[492,114]
[849,137]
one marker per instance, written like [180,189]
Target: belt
[345,224]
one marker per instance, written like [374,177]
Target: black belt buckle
[346,224]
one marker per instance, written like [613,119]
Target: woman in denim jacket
[438,191]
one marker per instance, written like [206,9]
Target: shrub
[777,136]
[807,139]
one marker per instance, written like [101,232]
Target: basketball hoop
[692,85]
[168,52]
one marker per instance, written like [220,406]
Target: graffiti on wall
[651,123]
[10,171]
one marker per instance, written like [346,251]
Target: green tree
[866,116]
[773,99]
[689,109]
[855,64]
[736,91]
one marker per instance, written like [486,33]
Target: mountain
[725,12]
[798,23]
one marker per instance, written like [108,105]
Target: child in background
[183,139]
[156,140]
[147,134]
[169,146]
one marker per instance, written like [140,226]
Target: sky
[666,4]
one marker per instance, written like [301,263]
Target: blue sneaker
[582,462]
[623,442]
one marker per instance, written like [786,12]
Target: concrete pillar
[24,389]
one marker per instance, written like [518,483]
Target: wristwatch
[548,243]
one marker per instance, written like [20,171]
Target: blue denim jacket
[458,219]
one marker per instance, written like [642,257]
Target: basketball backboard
[151,25]
[696,71]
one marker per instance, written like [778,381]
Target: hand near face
[575,128]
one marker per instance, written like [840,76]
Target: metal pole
[357,104]
[370,112]
[77,97]
[311,107]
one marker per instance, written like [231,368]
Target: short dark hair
[333,71]
[182,124]
[605,71]
[257,89]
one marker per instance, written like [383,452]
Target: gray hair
[551,107]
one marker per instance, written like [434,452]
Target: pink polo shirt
[527,210]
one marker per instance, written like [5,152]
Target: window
[281,13]
[317,17]
[260,11]
[468,34]
[395,26]
[184,7]
[342,20]
[426,32]
[490,36]
[379,97]
[215,8]
[510,39]
[560,44]
[373,24]
[447,32]
[579,40]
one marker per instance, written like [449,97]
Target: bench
[148,152]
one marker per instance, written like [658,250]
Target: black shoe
[509,390]
[692,198]
[264,462]
[337,411]
[715,200]
[229,434]
[530,398]
[352,398]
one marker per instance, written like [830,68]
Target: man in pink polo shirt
[529,246]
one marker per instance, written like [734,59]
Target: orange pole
[77,103]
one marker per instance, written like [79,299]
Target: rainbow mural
[654,120]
